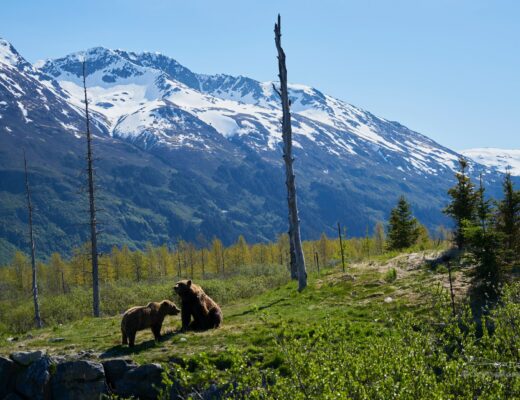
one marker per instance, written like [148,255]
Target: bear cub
[143,317]
[197,304]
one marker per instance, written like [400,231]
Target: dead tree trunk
[179,270]
[203,267]
[341,246]
[294,221]
[92,205]
[452,296]
[292,257]
[223,261]
[37,317]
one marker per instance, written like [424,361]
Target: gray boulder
[78,380]
[8,370]
[116,369]
[26,357]
[141,382]
[33,382]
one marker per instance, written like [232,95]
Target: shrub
[391,275]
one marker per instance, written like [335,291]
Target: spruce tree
[508,221]
[483,240]
[464,203]
[403,227]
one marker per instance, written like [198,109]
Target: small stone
[56,339]
[12,339]
[388,299]
[26,357]
[183,339]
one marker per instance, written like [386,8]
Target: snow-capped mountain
[134,92]
[183,154]
[505,160]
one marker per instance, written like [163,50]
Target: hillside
[383,328]
[182,154]
[357,296]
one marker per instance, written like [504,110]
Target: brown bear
[197,304]
[143,317]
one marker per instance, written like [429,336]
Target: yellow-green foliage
[134,277]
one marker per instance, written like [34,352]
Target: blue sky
[446,68]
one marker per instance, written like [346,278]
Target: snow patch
[502,159]
[224,125]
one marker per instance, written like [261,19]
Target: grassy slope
[252,324]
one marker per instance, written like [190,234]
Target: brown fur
[197,304]
[143,317]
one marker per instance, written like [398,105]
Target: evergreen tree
[403,227]
[464,202]
[508,221]
[483,241]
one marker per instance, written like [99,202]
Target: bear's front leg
[124,337]
[185,317]
[156,330]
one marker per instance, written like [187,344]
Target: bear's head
[168,307]
[183,288]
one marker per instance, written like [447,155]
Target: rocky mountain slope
[188,155]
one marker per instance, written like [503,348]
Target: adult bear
[143,317]
[197,304]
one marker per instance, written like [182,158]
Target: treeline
[488,229]
[188,260]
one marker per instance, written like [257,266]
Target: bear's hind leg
[131,339]
[124,339]
[215,318]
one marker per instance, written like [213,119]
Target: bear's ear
[165,305]
[189,283]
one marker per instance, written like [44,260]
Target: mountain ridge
[177,161]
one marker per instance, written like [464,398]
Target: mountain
[188,155]
[502,159]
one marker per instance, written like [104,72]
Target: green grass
[256,309]
[354,335]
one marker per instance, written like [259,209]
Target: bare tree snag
[341,246]
[294,221]
[37,317]
[292,256]
[452,295]
[92,205]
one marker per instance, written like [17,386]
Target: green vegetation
[348,335]
[403,230]
[489,230]
[385,328]
[131,278]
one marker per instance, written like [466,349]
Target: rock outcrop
[36,375]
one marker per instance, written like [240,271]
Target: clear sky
[449,69]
